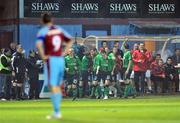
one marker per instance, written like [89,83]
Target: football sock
[56,100]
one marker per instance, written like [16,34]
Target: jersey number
[56,41]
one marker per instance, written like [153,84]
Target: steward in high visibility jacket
[5,62]
[5,74]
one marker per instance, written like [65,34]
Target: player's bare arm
[40,48]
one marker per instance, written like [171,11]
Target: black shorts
[70,78]
[85,76]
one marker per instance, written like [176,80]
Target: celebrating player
[49,43]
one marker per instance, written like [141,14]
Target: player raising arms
[49,44]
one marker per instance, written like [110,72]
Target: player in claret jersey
[49,43]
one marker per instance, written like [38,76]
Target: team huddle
[103,73]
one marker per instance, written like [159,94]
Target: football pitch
[150,109]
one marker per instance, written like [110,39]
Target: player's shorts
[70,78]
[132,75]
[54,71]
[148,74]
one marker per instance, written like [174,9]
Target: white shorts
[148,74]
[132,75]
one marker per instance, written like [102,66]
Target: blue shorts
[54,71]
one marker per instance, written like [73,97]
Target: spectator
[157,58]
[135,47]
[19,68]
[140,58]
[5,74]
[114,69]
[33,76]
[158,76]
[2,51]
[154,64]
[176,57]
[171,76]
[148,73]
[13,47]
[176,61]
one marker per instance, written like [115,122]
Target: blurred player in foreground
[49,43]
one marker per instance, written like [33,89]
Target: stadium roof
[155,24]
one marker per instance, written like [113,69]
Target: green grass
[150,109]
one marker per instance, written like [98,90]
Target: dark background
[142,9]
